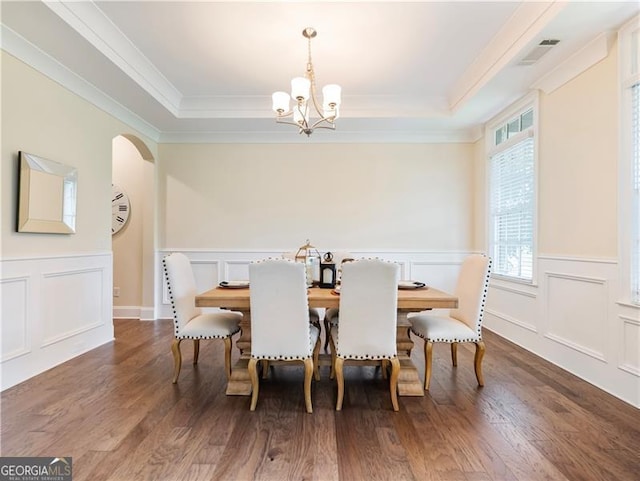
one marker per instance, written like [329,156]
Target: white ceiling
[205,71]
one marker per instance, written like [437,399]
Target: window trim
[627,78]
[530,100]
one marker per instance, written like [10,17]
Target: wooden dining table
[409,300]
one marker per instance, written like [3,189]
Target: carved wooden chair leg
[477,361]
[428,355]
[316,367]
[327,330]
[454,353]
[265,368]
[393,382]
[332,373]
[308,373]
[384,365]
[196,351]
[255,385]
[339,364]
[177,359]
[228,344]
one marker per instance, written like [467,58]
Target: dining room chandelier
[303,94]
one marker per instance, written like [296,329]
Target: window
[629,54]
[512,198]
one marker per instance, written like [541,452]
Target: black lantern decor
[327,272]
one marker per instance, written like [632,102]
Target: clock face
[120,208]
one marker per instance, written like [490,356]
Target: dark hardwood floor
[116,412]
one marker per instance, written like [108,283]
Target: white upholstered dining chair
[280,327]
[463,324]
[331,315]
[188,320]
[314,314]
[368,318]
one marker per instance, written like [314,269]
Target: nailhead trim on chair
[175,313]
[366,356]
[283,358]
[480,316]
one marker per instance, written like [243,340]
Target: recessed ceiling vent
[538,51]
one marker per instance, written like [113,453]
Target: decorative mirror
[47,196]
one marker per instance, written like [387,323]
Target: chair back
[279,310]
[182,289]
[368,309]
[471,290]
[339,256]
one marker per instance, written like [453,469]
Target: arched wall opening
[133,246]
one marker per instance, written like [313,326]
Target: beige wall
[578,173]
[128,173]
[577,168]
[339,196]
[40,117]
[479,198]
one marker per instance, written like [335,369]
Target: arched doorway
[133,246]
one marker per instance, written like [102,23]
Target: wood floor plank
[116,412]
[579,461]
[522,457]
[200,472]
[439,456]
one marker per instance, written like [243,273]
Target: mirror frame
[35,206]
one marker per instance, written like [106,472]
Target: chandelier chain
[312,76]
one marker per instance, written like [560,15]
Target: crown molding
[90,22]
[527,21]
[336,137]
[589,55]
[19,47]
[16,45]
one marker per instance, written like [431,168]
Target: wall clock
[120,208]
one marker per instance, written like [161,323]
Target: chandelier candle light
[303,92]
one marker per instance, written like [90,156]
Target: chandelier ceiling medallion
[303,93]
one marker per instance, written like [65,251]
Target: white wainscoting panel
[53,309]
[206,274]
[441,275]
[514,305]
[72,303]
[576,312]
[573,319]
[630,353]
[14,315]
[236,270]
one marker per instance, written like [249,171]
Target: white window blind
[512,203]
[635,200]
